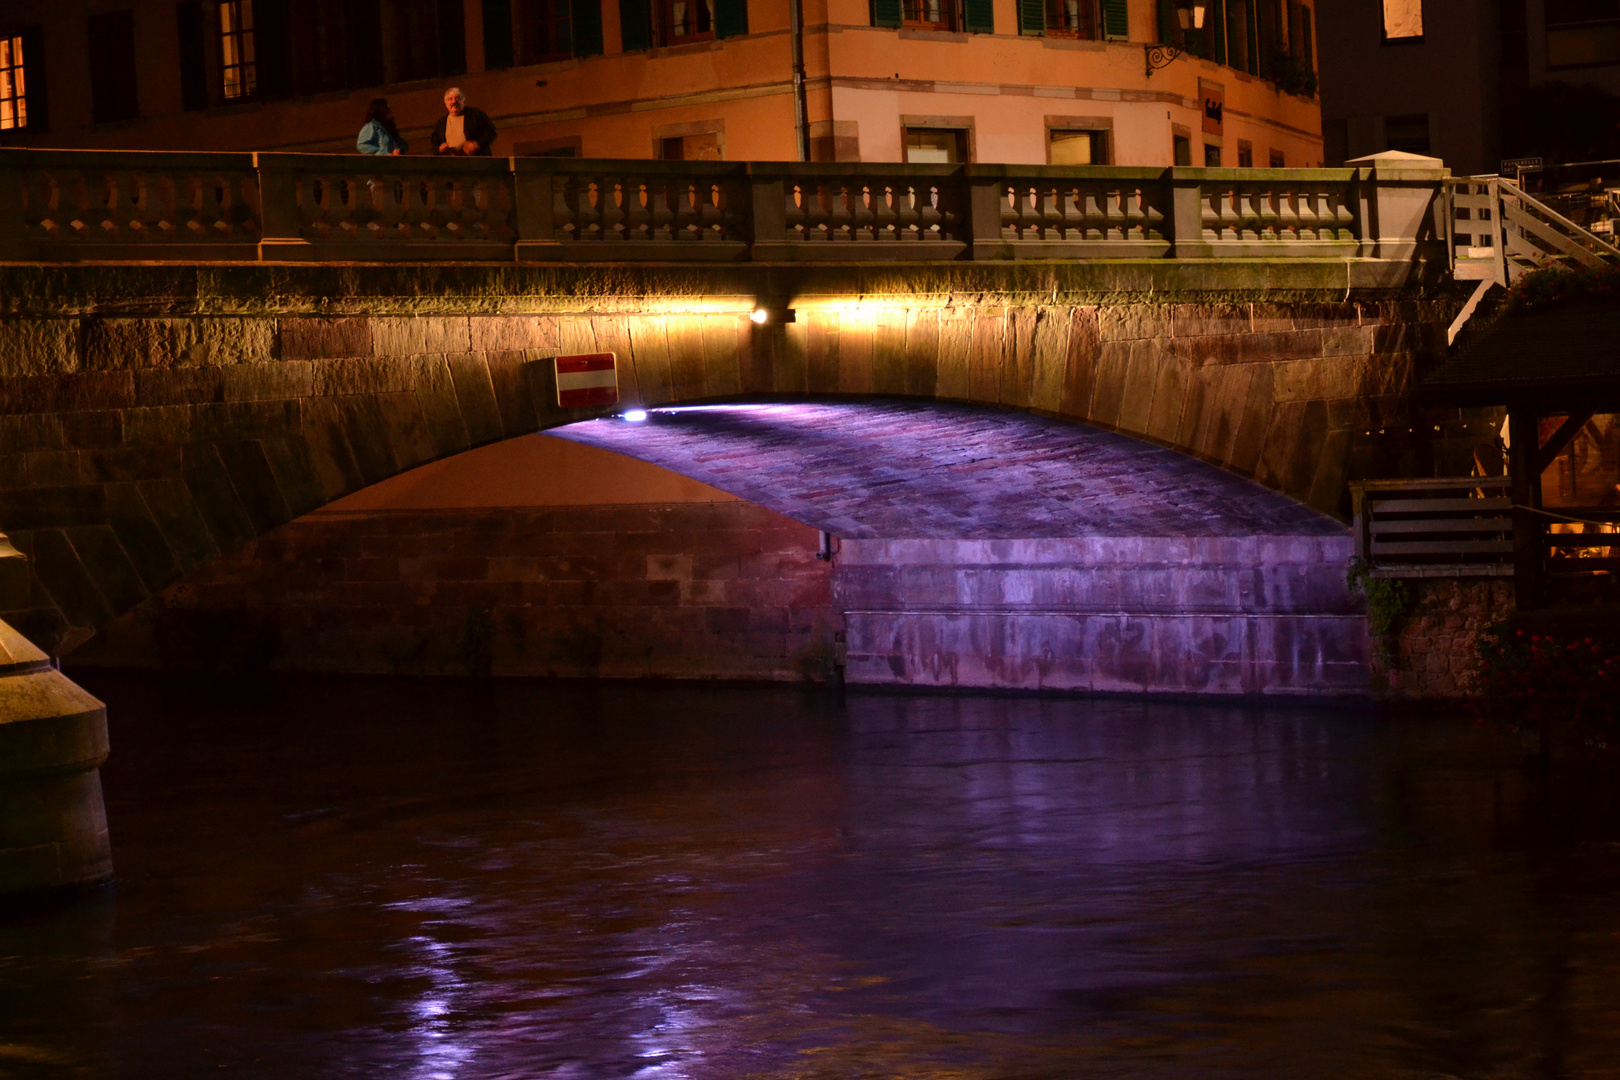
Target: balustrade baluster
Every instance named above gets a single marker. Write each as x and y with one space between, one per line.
841 196
1309 216
931 217
1269 215
1287 214
1109 217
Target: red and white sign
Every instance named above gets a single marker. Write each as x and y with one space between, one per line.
589 379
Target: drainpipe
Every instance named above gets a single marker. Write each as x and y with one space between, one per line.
801 113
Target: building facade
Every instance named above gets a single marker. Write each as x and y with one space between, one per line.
1470 81
1018 81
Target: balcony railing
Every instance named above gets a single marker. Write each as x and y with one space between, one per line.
69 205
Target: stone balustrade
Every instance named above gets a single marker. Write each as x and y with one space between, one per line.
72 205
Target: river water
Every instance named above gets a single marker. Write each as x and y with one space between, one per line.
379 878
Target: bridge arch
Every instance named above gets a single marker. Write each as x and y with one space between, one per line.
158 418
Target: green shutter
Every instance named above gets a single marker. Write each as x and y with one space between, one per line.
452 38
585 26
1253 26
980 16
1032 16
1116 20
497 34
730 18
1216 22
1168 26
886 13
635 24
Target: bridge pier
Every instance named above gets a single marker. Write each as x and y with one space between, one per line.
53 739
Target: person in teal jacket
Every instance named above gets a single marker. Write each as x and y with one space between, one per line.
380 135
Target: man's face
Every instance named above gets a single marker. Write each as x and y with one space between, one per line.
452 104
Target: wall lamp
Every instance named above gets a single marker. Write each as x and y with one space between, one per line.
1190 14
761 316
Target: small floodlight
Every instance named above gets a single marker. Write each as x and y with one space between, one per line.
636 416
760 316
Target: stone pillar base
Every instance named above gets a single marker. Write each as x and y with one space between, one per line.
53 739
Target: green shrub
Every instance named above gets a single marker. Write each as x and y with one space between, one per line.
1389 602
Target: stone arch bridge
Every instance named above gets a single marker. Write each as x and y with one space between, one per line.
153 417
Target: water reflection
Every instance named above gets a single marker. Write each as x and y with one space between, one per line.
357 878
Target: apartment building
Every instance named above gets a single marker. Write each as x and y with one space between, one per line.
1128 82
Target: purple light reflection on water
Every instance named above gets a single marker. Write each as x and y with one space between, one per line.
360 878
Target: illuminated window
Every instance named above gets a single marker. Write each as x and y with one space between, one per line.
237 66
930 14
13 87
1071 18
685 20
1075 147
1403 20
936 146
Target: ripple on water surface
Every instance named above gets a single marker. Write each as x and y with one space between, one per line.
372 878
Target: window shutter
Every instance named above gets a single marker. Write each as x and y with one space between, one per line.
365 49
1032 16
452 38
1167 21
635 24
980 16
1215 23
497 34
585 26
730 18
193 35
886 13
272 49
112 66
1116 20
35 94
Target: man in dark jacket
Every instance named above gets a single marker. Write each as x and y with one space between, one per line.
462 130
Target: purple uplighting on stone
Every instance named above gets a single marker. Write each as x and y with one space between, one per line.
892 470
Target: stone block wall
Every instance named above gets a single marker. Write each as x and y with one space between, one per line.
153 419
1191 615
1432 655
693 590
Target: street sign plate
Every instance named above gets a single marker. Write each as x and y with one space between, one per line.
586 380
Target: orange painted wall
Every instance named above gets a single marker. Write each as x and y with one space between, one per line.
1007 86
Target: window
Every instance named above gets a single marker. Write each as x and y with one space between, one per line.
936 146
1071 18
13 85
1245 154
1077 147
681 21
698 146
321 56
930 14
1582 32
1212 156
238 69
1409 133
112 67
1277 160
1181 146
1403 20
545 29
